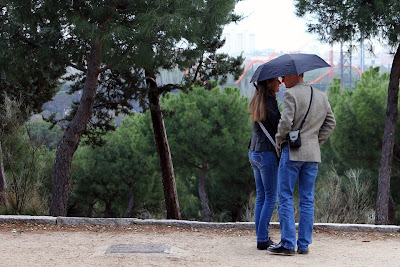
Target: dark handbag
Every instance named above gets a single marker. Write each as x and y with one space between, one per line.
294 138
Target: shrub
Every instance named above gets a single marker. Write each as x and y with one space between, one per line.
344 199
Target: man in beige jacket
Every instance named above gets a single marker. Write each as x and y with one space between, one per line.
300 163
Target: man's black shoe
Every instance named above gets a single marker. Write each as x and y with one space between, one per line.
265 245
281 250
300 251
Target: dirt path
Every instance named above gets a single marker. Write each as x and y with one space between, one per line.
49 245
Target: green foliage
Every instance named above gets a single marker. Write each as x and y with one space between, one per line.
41 134
12 114
360 116
211 127
189 202
27 167
27 72
106 174
347 20
341 21
28 170
132 37
356 142
41 39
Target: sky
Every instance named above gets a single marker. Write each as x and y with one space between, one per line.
275 25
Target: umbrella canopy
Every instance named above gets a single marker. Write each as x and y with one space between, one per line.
288 64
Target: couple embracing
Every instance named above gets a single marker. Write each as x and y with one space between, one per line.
305 109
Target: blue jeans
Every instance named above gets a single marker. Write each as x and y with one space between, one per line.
265 167
288 174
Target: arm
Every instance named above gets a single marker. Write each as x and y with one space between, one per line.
328 125
287 117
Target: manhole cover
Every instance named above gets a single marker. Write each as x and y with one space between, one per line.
139 248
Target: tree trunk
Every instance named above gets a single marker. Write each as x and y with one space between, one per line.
90 210
164 153
205 208
391 211
107 211
3 182
382 202
237 213
130 210
73 134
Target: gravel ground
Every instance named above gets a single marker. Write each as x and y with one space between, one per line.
25 244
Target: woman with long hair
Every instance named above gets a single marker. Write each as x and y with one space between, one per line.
263 158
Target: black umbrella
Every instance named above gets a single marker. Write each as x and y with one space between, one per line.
288 64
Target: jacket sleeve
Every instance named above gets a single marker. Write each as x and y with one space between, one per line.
287 117
328 125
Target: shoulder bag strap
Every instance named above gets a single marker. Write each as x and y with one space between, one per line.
267 134
301 125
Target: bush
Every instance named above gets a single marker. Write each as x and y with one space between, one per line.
344 199
28 172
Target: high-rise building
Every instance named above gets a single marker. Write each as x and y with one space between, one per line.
238 42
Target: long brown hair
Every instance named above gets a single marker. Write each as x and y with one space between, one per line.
257 106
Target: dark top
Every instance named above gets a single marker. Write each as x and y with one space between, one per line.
259 141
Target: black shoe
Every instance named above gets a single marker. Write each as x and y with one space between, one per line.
300 251
265 245
281 250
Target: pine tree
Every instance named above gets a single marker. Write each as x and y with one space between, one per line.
210 131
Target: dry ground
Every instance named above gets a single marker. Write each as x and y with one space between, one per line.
50 245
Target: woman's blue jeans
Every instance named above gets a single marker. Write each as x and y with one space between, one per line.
289 173
265 167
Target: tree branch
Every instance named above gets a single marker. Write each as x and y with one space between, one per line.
198 68
187 161
76 66
169 87
149 78
106 104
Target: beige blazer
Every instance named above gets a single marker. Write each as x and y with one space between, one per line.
319 123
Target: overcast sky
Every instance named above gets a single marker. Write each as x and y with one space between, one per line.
275 24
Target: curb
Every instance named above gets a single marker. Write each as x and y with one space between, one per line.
185 224
27 219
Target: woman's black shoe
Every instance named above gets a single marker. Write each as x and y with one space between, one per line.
265 245
281 250
300 251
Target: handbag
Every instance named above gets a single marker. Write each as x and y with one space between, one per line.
294 138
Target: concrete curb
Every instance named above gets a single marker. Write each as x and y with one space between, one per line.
185 224
27 219
134 221
357 227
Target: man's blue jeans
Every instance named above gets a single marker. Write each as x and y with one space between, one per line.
288 174
265 167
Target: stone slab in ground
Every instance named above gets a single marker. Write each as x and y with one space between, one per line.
139 248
